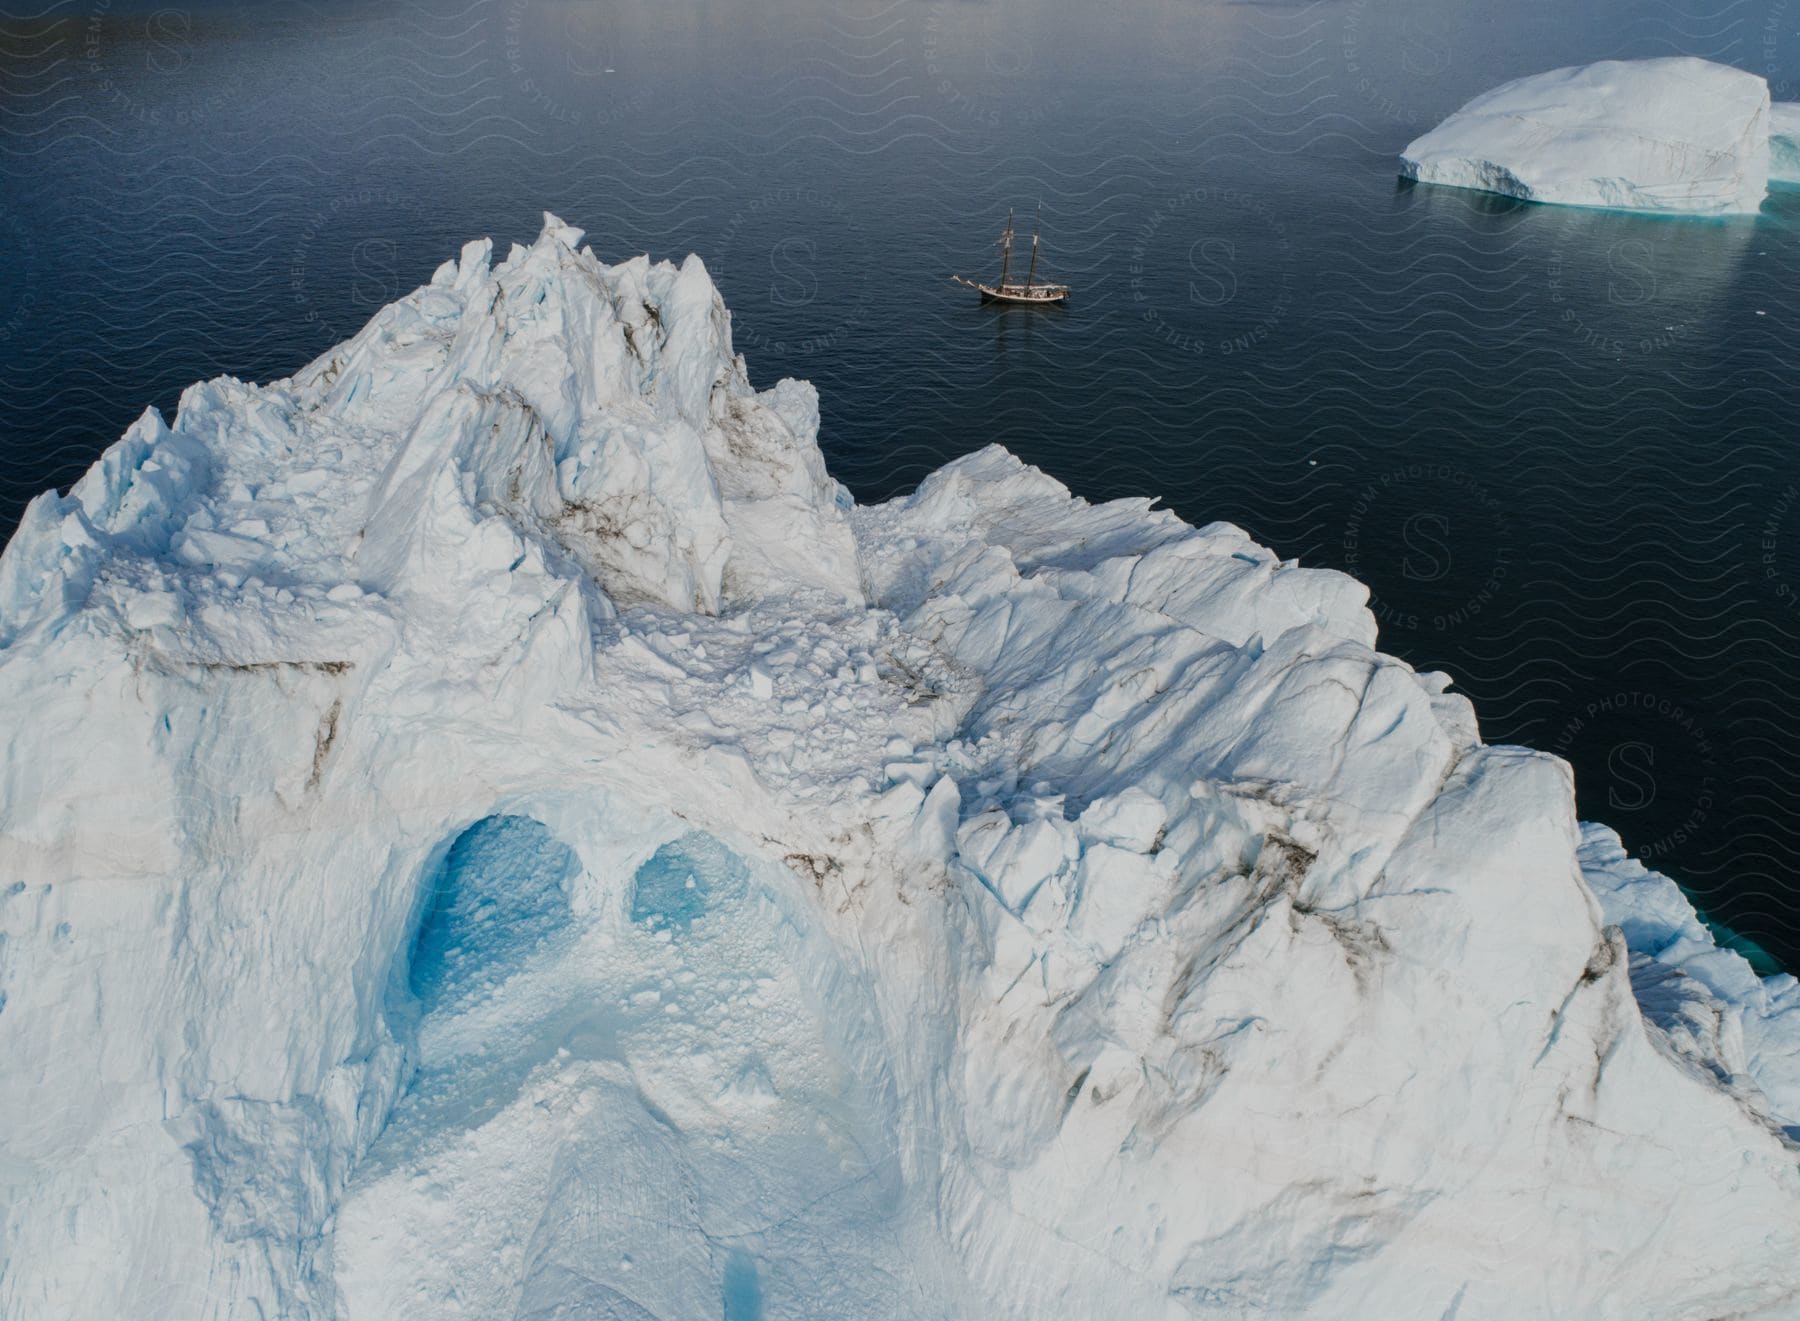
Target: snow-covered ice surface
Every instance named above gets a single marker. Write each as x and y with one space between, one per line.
491 831
1676 134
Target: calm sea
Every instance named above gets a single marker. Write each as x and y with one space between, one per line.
1558 445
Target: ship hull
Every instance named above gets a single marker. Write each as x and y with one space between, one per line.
1027 297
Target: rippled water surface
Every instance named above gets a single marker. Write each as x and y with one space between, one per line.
1559 445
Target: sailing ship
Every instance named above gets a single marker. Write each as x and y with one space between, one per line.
1006 290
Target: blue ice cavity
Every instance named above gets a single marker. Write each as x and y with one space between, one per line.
499 894
683 878
743 1287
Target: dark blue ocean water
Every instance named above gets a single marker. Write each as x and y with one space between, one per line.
1559 445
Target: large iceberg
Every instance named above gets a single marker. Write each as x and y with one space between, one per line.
490 829
1677 134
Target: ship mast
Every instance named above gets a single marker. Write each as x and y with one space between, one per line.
1006 241
1037 227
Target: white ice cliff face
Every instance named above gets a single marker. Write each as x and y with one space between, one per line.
490 831
1784 142
1677 134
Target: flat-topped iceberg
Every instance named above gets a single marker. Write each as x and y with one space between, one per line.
491 830
1677 135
